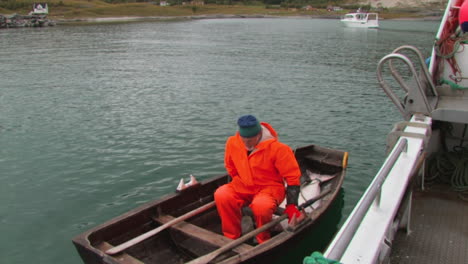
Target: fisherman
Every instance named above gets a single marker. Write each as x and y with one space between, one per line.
259 165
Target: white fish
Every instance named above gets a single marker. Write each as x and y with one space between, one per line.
313 188
309 191
319 177
192 181
183 185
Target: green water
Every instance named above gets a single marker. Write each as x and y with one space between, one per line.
98 119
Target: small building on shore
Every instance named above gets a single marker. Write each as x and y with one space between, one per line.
36 18
40 9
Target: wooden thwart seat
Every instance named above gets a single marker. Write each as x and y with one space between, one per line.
202 234
122 257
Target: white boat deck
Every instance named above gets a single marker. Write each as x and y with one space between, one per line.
439 229
452 105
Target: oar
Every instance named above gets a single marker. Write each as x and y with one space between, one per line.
209 257
153 232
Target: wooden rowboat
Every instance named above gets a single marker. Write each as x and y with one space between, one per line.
185 227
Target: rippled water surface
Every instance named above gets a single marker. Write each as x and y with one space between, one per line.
97 119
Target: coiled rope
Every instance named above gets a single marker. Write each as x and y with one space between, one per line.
450 167
446 48
452 85
448 43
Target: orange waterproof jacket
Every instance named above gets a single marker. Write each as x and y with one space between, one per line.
269 165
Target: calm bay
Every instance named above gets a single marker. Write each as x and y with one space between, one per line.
98 119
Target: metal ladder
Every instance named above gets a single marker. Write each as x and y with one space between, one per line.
421 97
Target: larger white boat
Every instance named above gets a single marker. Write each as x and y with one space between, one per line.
416 208
361 20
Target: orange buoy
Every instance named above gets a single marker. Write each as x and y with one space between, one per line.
463 16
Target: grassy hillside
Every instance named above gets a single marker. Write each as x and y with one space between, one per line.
76 9
69 9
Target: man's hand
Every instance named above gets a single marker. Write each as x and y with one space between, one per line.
292 211
292 197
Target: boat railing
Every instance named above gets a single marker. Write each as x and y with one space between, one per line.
418 99
425 72
385 205
336 250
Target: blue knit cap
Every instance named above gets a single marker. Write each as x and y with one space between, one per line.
248 126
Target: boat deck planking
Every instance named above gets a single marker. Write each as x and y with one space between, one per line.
203 234
437 217
122 257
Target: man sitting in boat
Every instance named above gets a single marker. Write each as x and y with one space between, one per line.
258 164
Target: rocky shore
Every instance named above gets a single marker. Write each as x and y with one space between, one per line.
17 21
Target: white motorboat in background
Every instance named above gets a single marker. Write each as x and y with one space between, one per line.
361 20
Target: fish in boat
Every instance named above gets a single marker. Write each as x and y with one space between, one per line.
184 227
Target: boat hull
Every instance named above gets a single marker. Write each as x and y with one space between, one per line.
201 234
357 24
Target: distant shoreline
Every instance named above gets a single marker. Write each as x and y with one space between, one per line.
100 11
54 20
215 16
